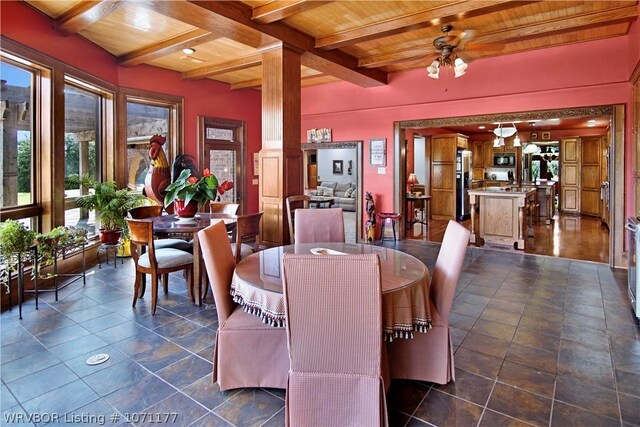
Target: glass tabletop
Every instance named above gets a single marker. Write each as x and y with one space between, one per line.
398 269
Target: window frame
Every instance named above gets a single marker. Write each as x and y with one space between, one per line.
175 134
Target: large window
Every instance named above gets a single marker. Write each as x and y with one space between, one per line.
149 114
83 145
18 102
16 155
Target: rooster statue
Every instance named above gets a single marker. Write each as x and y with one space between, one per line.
159 175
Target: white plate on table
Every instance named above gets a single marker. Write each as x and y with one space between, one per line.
325 251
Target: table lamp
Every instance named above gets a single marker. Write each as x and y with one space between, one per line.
413 179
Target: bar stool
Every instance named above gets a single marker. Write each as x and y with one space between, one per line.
383 216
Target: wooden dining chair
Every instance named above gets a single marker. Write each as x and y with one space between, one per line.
247 352
247 230
334 339
224 207
293 203
429 356
143 212
319 225
156 262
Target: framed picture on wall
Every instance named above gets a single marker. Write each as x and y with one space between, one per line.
378 152
534 136
546 135
337 167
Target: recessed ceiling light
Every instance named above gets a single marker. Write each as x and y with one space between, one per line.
481 127
591 125
591 121
188 51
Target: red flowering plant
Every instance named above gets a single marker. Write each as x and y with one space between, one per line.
190 188
224 186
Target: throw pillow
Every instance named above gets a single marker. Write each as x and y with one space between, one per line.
328 192
348 192
354 193
320 191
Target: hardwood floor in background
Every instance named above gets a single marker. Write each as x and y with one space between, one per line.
574 237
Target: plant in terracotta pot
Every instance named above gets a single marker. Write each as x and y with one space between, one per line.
188 192
110 203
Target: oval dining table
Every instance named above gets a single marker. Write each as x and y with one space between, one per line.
171 226
257 286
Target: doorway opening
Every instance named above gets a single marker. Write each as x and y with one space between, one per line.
593 218
335 168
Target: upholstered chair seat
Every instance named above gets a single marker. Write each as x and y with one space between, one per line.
166 258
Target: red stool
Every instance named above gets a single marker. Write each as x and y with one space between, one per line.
383 216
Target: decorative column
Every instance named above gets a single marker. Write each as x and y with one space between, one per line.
281 156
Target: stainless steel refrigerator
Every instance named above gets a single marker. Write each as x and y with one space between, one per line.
463 183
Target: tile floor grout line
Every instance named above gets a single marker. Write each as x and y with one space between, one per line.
273 416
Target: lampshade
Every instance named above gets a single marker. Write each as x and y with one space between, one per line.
413 179
434 70
459 68
516 141
531 149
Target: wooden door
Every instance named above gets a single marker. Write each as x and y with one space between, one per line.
312 176
570 175
443 176
591 155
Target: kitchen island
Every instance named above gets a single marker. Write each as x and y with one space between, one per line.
503 215
546 197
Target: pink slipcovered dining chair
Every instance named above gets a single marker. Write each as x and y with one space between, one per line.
429 357
247 352
334 334
319 225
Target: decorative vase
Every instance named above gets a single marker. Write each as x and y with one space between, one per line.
110 237
185 211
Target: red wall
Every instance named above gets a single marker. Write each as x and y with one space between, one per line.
562 77
27 26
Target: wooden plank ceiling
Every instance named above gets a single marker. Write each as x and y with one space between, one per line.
357 41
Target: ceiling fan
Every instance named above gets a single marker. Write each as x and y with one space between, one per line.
447 44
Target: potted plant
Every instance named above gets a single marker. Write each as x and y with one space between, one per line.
58 241
16 242
188 192
110 203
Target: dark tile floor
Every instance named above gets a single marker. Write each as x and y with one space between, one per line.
539 341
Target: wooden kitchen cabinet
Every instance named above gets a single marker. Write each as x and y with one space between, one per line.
477 158
487 154
443 174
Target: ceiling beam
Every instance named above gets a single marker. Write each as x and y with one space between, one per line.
84 14
167 47
512 35
446 12
224 67
336 63
281 9
204 19
257 83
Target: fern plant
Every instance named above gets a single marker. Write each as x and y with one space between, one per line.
110 203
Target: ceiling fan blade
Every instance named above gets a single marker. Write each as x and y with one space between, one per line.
486 47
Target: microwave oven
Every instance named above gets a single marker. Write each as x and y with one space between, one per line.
504 159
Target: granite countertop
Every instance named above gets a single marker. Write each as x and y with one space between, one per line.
513 191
